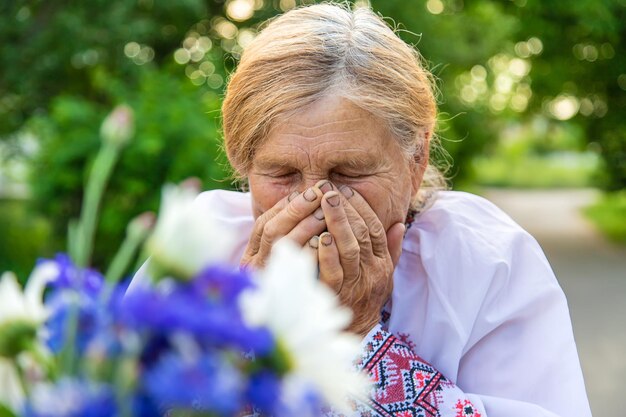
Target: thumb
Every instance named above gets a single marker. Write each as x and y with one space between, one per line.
395 236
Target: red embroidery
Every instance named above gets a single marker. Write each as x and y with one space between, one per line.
466 409
406 340
403 383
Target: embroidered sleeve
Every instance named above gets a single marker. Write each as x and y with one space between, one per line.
406 385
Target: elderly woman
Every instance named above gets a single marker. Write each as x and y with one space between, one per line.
330 117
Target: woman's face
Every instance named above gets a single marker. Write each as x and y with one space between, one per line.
334 139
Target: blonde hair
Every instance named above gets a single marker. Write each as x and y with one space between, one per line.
313 51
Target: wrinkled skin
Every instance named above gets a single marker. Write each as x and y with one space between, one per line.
333 179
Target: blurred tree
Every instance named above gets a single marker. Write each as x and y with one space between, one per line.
580 75
452 38
502 61
170 144
50 48
64 64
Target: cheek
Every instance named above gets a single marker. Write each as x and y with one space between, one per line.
390 201
265 194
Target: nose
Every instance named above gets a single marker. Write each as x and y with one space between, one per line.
323 184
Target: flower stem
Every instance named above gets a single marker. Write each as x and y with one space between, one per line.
69 343
44 360
136 232
98 178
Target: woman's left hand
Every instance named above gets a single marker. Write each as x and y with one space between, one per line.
357 257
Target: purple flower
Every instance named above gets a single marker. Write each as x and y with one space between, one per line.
71 398
204 384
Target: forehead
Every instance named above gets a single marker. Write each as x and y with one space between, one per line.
333 127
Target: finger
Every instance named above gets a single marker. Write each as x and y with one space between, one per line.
331 271
312 225
310 248
395 236
376 229
342 234
255 238
359 228
284 221
325 186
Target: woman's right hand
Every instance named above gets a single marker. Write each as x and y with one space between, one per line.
298 217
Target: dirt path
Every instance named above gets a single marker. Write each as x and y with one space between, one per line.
592 273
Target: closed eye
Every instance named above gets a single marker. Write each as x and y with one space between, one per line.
349 175
283 175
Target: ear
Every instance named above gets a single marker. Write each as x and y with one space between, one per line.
420 162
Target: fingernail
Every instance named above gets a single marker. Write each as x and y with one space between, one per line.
319 214
314 242
309 195
325 186
293 195
326 238
346 191
333 200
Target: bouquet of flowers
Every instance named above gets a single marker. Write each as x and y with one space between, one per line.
195 337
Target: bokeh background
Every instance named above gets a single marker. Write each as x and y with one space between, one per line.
532 97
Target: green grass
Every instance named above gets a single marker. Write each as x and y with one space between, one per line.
609 215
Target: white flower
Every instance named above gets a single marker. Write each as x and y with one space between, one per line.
186 237
21 314
11 391
28 305
306 318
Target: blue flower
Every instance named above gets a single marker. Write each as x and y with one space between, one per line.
263 392
221 283
76 306
204 384
86 280
206 308
95 321
71 398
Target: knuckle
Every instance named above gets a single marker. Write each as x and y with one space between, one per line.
292 212
352 253
267 240
259 225
377 231
269 231
361 233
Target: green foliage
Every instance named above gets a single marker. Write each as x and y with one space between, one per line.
25 237
452 43
49 48
65 64
541 155
172 141
583 56
552 171
609 215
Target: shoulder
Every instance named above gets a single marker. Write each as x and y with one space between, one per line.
471 252
459 221
232 204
